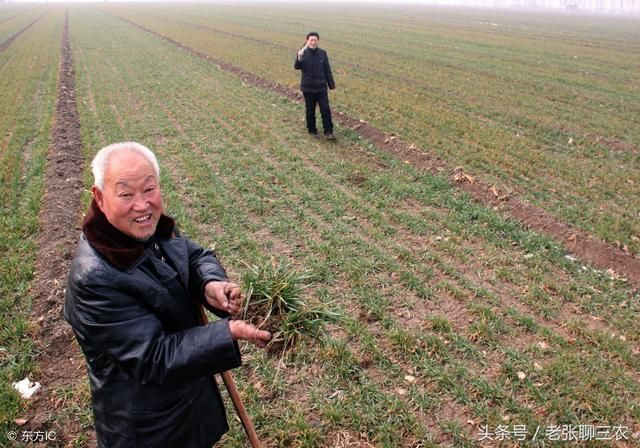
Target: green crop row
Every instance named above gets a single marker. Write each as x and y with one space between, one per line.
28 82
447 301
14 18
541 105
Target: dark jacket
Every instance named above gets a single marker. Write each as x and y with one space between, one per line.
138 321
315 70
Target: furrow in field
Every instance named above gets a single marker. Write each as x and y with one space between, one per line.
60 360
207 139
514 139
565 314
7 43
249 137
178 168
370 230
398 62
577 241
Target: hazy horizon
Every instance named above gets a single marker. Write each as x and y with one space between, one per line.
606 7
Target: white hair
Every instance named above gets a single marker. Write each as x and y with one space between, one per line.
100 161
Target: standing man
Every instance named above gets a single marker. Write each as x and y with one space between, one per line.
134 298
316 76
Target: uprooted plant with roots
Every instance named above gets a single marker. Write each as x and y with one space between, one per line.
275 301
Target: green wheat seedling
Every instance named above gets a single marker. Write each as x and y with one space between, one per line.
274 301
310 321
275 286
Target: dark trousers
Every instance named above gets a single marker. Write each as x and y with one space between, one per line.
310 101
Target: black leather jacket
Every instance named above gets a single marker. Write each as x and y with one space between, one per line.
149 358
315 70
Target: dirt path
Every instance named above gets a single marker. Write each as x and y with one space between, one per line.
600 254
60 361
7 43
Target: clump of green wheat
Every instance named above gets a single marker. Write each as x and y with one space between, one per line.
275 302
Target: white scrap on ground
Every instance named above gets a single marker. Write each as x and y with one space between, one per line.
26 388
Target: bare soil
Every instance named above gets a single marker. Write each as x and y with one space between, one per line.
60 362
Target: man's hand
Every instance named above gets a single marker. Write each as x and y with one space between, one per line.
301 52
223 296
249 332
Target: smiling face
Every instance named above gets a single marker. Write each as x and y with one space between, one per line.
312 42
131 199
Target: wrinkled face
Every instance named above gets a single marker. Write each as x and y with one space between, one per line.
312 42
131 199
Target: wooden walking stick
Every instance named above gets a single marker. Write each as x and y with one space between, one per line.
242 413
230 384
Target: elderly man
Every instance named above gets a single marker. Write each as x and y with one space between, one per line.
134 298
